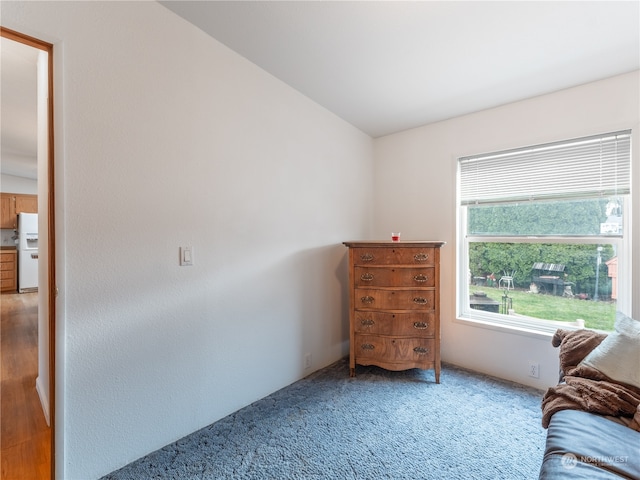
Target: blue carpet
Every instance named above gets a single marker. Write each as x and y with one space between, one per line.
380 424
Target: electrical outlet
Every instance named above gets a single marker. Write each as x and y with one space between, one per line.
307 360
534 369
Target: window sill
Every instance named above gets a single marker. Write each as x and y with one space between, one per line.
524 326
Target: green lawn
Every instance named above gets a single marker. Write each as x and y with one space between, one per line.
598 315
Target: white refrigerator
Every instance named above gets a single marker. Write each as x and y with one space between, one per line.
27 252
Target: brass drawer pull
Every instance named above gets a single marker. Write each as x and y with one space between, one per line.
420 300
420 325
367 346
368 299
366 257
421 350
421 257
421 278
366 277
367 322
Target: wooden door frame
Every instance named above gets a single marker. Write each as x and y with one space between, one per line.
51 274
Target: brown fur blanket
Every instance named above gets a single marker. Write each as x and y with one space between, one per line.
584 387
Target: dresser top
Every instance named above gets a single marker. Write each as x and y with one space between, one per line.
402 243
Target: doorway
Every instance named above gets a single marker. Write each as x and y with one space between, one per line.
24 314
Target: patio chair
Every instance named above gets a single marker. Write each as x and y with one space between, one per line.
506 281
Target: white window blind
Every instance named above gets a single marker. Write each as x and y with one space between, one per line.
581 168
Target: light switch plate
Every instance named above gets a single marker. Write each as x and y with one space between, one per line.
186 256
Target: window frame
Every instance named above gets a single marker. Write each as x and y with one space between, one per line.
529 325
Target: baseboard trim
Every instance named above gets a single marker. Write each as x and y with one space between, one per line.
44 399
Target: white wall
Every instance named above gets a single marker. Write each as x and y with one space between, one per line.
164 137
415 192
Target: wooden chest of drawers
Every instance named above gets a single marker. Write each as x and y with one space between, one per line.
8 270
394 315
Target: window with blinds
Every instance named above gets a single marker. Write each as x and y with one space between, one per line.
563 204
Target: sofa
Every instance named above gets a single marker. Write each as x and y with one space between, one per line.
592 416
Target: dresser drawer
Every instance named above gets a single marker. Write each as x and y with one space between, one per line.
394 350
396 276
394 256
388 299
398 324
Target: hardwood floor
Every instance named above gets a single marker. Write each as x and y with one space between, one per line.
25 438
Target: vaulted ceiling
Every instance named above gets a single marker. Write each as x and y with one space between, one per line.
386 66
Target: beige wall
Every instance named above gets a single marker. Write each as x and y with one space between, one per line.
415 192
165 138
